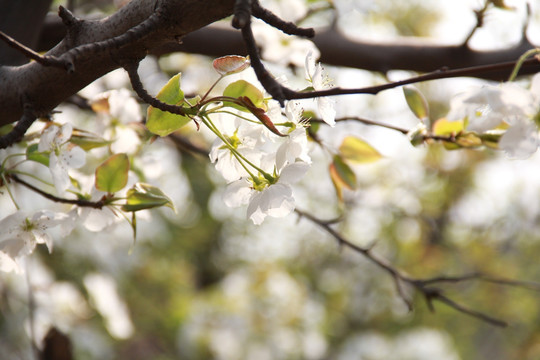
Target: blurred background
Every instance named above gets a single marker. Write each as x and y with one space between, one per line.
205 283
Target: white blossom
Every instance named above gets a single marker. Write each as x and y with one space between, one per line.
21 232
63 154
319 80
274 200
508 104
246 138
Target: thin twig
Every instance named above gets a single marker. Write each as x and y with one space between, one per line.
430 293
273 20
137 85
31 54
79 202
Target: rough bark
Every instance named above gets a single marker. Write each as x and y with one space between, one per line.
46 87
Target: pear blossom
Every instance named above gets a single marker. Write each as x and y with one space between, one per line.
246 138
319 80
488 107
63 154
119 105
122 110
266 199
21 232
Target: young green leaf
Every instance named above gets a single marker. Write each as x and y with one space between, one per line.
231 64
163 123
112 174
242 88
33 154
446 127
417 103
144 196
89 142
358 151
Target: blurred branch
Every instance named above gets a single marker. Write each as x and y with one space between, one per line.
423 286
337 50
79 202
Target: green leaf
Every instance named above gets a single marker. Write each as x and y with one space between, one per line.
242 88
342 176
33 154
231 64
417 103
112 174
163 123
491 139
358 151
144 196
446 127
86 142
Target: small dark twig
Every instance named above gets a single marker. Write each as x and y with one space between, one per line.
79 202
137 85
273 20
31 54
480 15
20 129
184 145
242 14
278 91
477 314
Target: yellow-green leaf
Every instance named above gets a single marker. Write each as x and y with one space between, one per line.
358 151
33 154
242 88
416 101
163 123
445 127
144 196
112 174
89 142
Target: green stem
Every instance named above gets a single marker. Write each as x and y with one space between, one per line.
241 159
520 62
10 193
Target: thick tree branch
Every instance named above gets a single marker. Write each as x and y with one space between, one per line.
46 87
338 50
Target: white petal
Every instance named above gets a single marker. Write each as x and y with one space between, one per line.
59 173
73 156
237 193
8 264
521 140
46 142
293 172
327 111
310 65
280 200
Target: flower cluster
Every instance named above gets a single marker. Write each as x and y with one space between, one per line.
259 165
506 108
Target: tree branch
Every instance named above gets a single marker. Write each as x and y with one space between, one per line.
423 286
46 87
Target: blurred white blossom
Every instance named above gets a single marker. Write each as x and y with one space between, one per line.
320 81
21 232
488 107
63 154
